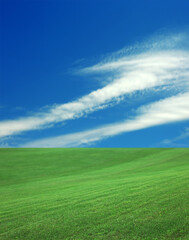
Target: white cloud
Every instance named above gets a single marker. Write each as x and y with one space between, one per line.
169 110
130 73
183 135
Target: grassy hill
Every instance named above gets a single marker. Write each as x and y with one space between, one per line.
94 194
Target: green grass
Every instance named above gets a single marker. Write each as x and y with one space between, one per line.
94 194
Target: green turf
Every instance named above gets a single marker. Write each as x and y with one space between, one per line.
94 194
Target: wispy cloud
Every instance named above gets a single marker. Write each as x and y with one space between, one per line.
183 135
165 111
161 64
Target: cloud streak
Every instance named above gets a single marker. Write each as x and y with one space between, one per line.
136 72
183 135
165 111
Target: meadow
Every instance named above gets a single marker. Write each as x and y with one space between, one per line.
93 194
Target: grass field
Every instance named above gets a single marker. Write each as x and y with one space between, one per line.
94 194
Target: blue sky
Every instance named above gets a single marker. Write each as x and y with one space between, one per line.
100 73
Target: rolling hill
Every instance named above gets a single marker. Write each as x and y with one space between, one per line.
94 194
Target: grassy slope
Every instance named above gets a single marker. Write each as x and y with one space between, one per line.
94 194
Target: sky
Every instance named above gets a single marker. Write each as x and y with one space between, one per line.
101 73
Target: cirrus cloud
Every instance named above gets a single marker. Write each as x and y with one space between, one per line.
157 64
165 111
